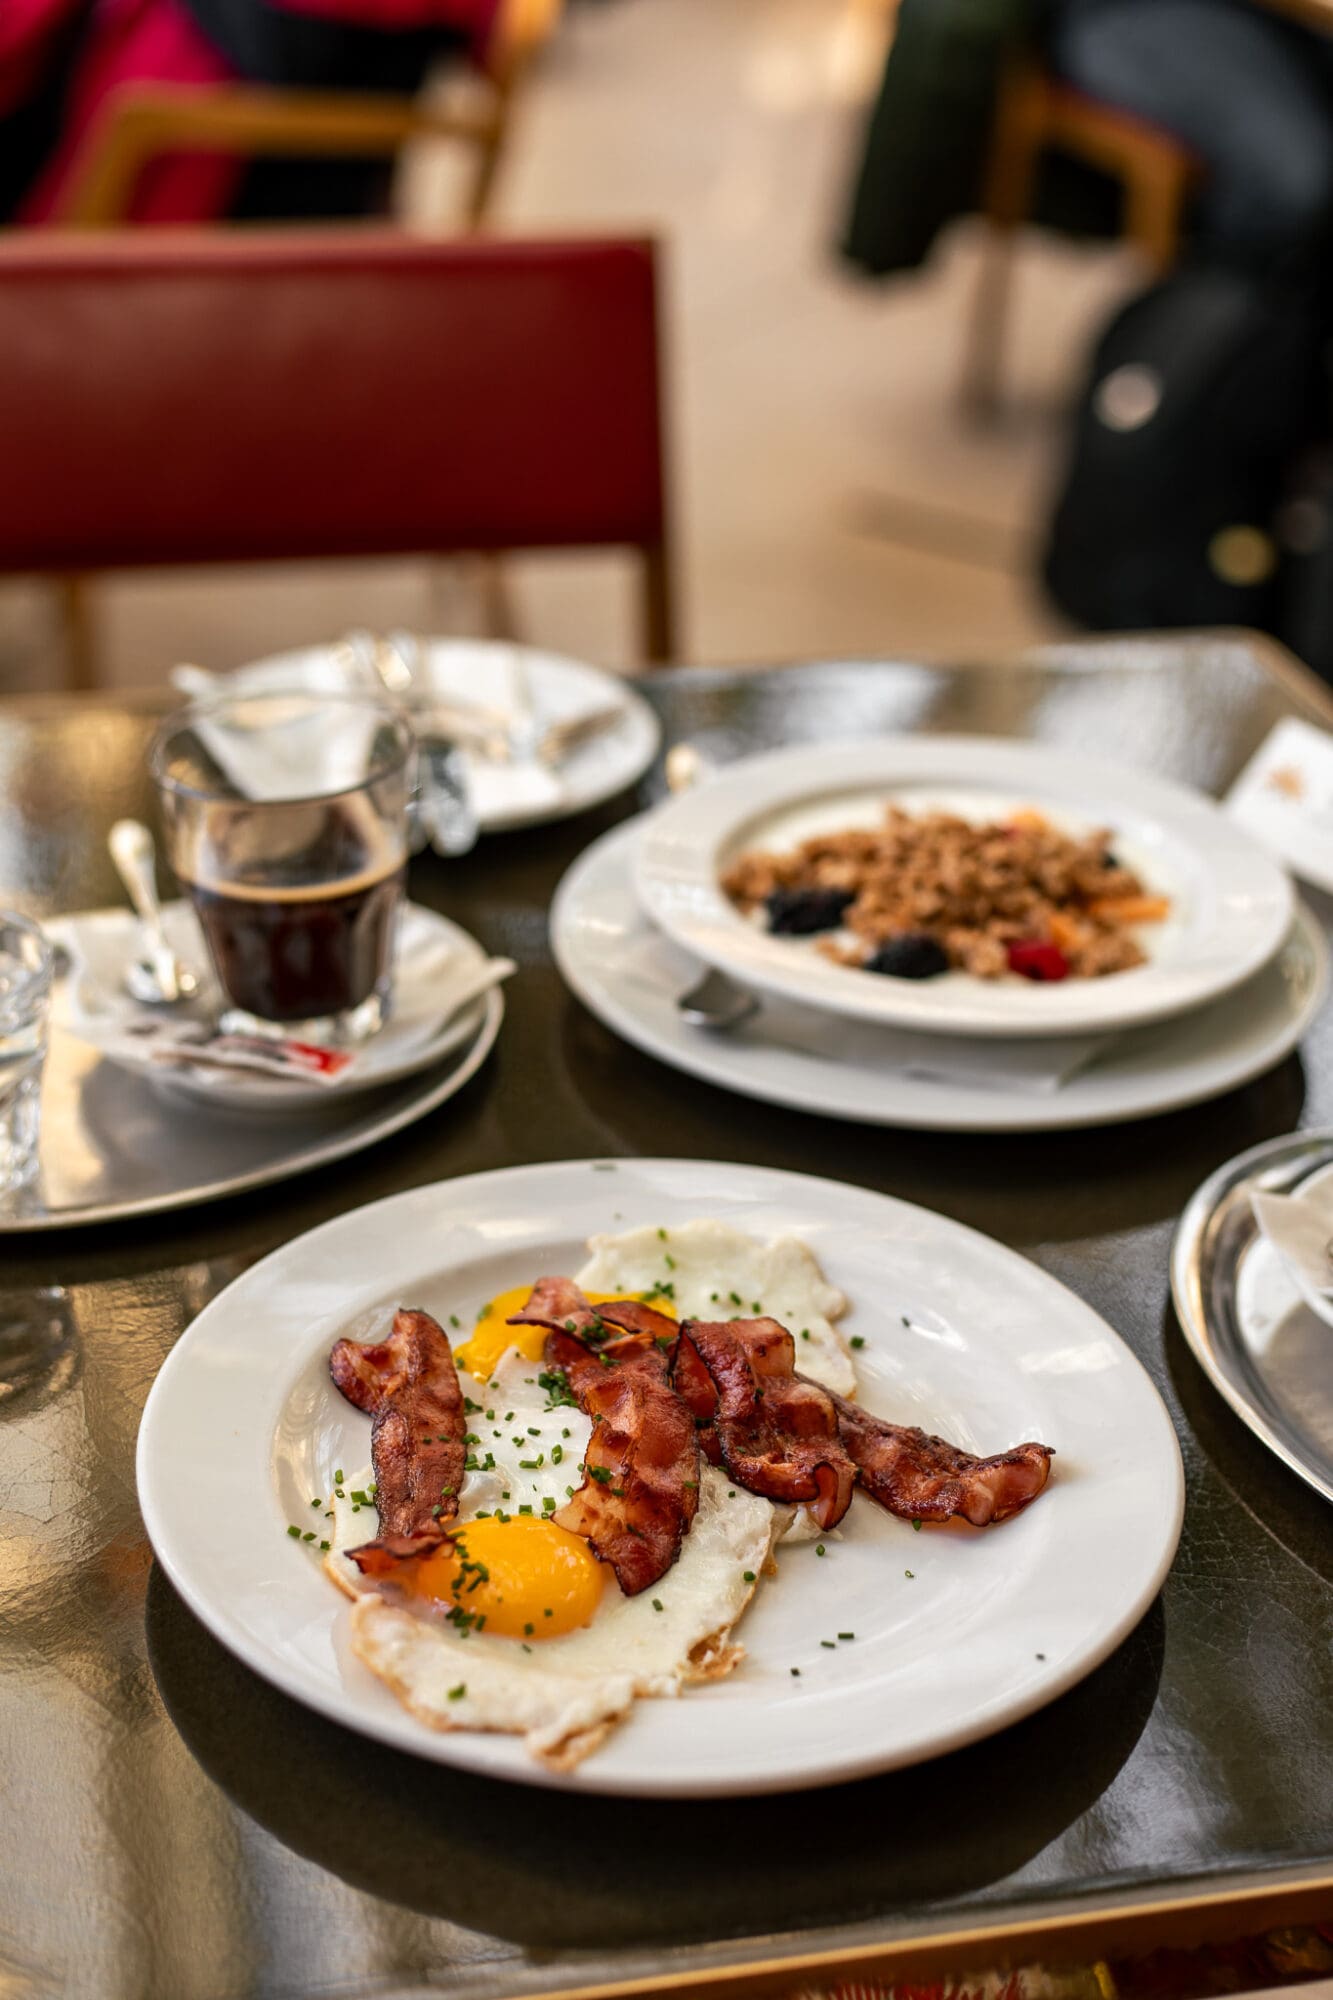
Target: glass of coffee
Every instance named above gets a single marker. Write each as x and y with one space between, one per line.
286 823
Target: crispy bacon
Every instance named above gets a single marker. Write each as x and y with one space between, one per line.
641 1473
409 1386
924 1478
776 1433
387 1554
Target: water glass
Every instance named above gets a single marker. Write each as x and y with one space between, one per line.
27 964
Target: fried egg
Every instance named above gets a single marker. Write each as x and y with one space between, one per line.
515 1625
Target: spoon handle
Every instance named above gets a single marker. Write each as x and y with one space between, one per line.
135 856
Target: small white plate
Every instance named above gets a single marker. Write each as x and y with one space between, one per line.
960 1334
431 953
629 976
1231 905
489 671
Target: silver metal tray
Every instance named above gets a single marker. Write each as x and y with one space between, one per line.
112 1148
1274 1365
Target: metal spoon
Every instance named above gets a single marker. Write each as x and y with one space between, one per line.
159 979
717 1002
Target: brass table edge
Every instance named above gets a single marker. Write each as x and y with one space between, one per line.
1105 1925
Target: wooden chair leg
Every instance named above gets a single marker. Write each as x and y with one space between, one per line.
1006 202
77 629
497 598
1155 197
658 607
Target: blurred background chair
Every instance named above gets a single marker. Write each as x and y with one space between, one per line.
150 121
1037 115
252 396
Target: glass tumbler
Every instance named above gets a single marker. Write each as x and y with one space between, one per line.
286 823
27 963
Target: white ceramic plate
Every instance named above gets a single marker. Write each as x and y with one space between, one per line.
1231 904
432 953
555 689
630 977
960 1334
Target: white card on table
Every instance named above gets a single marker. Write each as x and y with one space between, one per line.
1284 796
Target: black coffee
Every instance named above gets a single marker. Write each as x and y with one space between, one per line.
297 954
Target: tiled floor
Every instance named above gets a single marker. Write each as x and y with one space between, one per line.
830 498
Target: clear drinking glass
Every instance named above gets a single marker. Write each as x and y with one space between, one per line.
286 822
27 964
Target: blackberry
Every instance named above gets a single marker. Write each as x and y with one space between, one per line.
911 955
801 912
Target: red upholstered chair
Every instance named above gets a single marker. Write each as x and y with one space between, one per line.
243 397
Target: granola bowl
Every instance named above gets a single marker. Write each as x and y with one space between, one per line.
964 885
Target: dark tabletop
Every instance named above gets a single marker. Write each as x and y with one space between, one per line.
173 1827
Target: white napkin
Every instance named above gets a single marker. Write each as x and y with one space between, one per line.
1039 1066
1300 1229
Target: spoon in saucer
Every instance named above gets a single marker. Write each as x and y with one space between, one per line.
158 979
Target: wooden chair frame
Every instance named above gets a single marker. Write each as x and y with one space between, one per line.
251 121
1036 114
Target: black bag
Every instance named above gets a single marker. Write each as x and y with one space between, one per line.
1202 391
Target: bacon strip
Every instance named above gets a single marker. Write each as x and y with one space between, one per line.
641 1473
775 1432
409 1386
924 1478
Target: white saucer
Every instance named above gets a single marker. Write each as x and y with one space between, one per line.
431 954
602 940
1230 903
483 670
950 1634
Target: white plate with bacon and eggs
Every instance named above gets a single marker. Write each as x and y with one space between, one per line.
668 1478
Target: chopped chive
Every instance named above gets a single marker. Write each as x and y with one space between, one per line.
748 1575
917 1526
796 1673
456 1694
295 1533
908 1572
601 1474
828 1645
454 1320
819 1548
662 1235
325 1546
528 1630
856 1341
658 1604
309 1535
317 1503
846 1635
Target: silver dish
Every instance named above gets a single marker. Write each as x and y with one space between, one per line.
112 1147
1255 1338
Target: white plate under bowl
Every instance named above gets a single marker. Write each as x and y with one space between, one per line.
1231 904
961 1335
630 977
483 671
418 1034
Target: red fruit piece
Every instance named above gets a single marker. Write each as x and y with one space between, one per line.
1034 958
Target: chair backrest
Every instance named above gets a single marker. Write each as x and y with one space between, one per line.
210 397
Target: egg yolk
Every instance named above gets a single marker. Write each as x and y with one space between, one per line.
492 1336
526 1577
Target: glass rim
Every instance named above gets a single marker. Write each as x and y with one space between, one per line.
41 975
181 718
